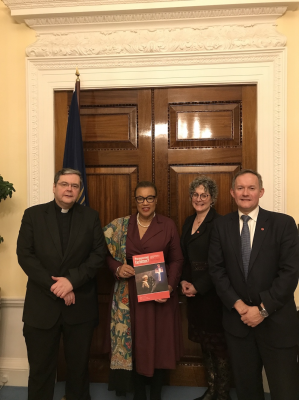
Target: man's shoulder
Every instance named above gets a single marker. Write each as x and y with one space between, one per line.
223 219
212 215
86 210
47 206
276 216
39 207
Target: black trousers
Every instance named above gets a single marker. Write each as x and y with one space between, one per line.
42 349
250 354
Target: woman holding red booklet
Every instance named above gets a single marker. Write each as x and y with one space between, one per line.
204 306
145 337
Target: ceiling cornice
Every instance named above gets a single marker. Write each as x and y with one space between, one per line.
26 10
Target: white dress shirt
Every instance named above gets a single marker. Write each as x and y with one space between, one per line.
251 223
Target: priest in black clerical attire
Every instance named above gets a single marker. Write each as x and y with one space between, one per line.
60 248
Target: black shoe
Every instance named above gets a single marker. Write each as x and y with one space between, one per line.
208 395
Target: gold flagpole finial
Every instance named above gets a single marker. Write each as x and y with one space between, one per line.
77 74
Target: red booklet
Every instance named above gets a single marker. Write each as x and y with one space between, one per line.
150 276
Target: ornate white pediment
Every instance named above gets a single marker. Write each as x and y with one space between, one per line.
144 41
108 27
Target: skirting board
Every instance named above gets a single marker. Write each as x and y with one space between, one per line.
15 370
13 355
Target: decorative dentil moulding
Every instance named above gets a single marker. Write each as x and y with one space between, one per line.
184 15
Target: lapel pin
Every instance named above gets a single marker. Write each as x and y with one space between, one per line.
197 231
262 229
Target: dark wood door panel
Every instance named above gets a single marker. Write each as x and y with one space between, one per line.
61 110
161 144
106 186
205 94
204 125
105 97
108 157
111 127
249 125
205 156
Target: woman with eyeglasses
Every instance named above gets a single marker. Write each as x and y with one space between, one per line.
203 305
145 337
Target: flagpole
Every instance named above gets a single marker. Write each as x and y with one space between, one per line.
78 87
73 149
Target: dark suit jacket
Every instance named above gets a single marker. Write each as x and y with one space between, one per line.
40 256
272 276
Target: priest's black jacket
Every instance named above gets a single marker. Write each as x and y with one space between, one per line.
40 255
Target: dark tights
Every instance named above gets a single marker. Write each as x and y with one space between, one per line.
156 383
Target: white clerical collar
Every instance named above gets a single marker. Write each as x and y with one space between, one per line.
65 210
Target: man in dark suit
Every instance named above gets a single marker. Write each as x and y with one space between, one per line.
253 261
60 248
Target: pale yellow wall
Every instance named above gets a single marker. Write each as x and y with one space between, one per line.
288 25
13 148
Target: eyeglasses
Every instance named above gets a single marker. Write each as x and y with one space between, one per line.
202 196
149 199
65 185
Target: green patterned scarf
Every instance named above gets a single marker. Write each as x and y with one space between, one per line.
120 329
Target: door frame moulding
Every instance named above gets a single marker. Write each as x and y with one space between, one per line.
267 69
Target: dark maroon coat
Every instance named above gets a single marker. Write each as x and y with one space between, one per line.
156 327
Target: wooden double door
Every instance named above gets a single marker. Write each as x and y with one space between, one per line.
165 135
